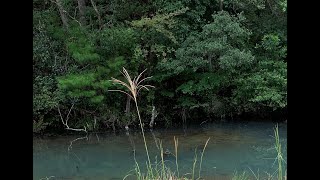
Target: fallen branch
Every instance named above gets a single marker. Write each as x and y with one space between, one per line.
65 122
97 12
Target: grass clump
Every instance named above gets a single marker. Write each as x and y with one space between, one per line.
279 173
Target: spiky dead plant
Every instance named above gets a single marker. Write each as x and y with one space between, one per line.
134 86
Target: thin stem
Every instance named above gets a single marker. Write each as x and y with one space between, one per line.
194 163
204 148
176 152
279 153
141 126
162 161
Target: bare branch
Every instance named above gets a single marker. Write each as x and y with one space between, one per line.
69 113
98 14
63 14
66 121
82 9
85 129
61 116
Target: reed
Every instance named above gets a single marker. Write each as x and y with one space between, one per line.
134 86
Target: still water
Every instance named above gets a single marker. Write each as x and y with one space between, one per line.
232 147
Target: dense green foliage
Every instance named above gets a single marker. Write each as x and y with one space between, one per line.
208 59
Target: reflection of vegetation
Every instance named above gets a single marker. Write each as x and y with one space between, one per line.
77 139
39 145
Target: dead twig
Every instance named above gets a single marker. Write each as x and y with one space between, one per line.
65 122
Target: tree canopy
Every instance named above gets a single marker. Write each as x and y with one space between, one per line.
209 59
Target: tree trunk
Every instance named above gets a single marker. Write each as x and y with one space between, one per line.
221 5
82 9
128 105
98 14
210 63
184 118
62 14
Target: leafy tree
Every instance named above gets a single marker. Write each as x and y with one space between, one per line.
266 85
208 62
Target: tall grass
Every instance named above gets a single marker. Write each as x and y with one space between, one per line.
279 153
176 152
202 152
278 173
134 86
160 171
194 162
242 176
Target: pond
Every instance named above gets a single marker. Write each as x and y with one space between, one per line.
245 146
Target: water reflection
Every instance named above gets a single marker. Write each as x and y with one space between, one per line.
232 147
